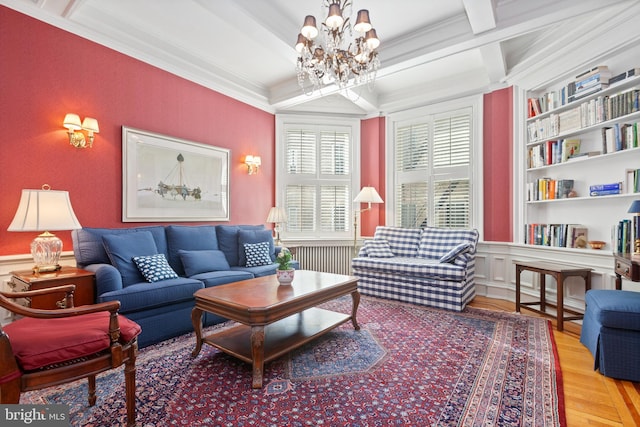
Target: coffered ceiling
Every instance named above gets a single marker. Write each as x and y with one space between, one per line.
431 49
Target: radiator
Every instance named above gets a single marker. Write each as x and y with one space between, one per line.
328 259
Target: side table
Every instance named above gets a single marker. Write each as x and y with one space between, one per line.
84 280
627 266
560 272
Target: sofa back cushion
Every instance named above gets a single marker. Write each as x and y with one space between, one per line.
88 246
228 240
123 247
189 238
437 242
403 242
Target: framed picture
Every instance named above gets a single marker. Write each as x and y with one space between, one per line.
171 179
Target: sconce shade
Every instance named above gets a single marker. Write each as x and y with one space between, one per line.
368 195
635 207
90 124
44 210
277 215
72 122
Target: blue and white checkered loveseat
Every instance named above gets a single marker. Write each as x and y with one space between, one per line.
429 266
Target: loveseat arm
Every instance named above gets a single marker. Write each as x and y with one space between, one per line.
108 278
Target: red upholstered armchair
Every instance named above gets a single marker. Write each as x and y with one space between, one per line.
49 347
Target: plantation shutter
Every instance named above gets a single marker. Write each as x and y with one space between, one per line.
432 170
318 196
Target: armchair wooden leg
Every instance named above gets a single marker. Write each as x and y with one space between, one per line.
92 389
130 385
10 391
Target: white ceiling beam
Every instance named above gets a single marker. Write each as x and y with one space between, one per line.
481 14
494 62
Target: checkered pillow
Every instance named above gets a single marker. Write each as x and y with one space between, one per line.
453 253
257 254
378 248
154 267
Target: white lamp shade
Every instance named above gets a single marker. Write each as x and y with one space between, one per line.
368 195
72 122
277 215
90 124
44 210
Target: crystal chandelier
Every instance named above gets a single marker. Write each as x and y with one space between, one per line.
332 62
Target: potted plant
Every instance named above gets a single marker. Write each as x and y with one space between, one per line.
284 272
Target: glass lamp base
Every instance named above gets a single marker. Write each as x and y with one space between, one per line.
46 250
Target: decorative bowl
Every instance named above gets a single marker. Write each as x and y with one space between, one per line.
597 244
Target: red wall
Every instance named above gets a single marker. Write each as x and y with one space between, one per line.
372 157
498 166
47 72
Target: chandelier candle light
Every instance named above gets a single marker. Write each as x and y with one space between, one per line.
332 62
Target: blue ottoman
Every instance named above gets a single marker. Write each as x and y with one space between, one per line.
611 332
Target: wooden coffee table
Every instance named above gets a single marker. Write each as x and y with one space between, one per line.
272 319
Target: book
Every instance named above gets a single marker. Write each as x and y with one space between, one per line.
570 148
596 193
592 71
584 156
579 237
600 187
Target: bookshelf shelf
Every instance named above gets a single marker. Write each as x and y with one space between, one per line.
557 197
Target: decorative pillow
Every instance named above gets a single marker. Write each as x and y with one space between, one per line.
196 262
154 267
378 248
254 236
257 254
453 253
121 249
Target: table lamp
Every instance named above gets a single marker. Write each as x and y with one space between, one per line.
277 216
45 210
366 195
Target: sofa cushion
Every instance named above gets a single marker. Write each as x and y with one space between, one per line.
189 238
378 248
228 240
141 296
215 278
154 267
436 242
121 249
453 254
196 262
41 342
412 266
403 242
257 254
88 247
254 236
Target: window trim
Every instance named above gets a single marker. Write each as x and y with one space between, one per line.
284 120
475 102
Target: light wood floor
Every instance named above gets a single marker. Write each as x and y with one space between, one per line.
591 399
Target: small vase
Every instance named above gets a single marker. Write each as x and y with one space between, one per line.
285 277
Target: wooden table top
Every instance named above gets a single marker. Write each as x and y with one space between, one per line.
264 300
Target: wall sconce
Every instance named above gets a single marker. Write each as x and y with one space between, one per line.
77 139
253 164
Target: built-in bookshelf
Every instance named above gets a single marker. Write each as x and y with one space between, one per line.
582 158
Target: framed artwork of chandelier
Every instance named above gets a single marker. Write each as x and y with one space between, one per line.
333 62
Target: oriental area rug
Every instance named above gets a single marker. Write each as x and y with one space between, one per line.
407 366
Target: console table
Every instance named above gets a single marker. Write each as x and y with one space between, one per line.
559 272
626 266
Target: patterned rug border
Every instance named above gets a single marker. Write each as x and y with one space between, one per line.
161 398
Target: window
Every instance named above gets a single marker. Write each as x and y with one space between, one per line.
316 180
433 164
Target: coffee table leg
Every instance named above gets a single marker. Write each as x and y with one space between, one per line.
355 296
257 354
196 319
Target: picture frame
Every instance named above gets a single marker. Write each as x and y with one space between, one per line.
171 179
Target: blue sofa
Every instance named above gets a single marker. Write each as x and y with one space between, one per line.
161 300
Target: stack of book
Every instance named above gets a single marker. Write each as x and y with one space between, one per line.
549 189
605 189
556 235
633 180
589 82
623 233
